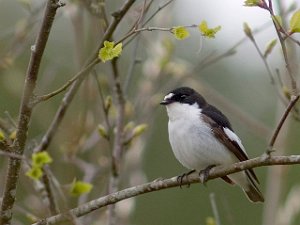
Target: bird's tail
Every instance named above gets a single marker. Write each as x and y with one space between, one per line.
249 184
254 194
252 191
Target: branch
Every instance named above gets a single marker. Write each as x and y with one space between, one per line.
118 146
25 111
157 11
293 101
9 154
263 58
279 29
80 74
148 20
47 138
158 185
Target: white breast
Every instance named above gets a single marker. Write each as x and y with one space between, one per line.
192 140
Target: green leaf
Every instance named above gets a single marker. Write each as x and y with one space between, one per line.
180 33
39 159
35 173
79 187
206 31
110 51
295 22
270 47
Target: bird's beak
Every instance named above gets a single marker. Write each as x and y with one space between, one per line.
165 102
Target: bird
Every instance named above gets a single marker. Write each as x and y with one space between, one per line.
202 137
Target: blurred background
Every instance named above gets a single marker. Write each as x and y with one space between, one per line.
226 70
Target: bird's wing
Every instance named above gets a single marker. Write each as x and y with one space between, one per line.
216 115
231 141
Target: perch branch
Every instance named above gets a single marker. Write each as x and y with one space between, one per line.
160 184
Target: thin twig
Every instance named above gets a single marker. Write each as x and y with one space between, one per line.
80 74
118 146
68 97
157 11
148 20
160 184
135 48
103 106
278 29
53 180
53 207
263 59
10 154
292 102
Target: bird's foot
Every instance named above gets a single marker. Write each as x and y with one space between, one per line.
204 174
181 177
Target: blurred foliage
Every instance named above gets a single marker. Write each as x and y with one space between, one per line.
150 66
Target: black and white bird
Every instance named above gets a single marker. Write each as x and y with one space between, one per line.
202 137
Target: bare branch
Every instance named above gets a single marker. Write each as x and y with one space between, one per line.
47 138
280 29
293 101
118 146
26 110
81 73
9 154
158 185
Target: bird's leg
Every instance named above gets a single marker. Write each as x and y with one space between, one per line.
203 175
180 178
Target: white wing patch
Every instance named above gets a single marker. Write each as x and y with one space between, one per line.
232 136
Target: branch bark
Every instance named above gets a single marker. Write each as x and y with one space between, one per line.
161 184
37 51
118 146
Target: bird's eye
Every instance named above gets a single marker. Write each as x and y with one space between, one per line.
183 96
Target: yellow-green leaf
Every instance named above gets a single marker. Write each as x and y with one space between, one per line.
286 92
35 173
210 221
39 159
248 31
13 135
2 135
128 126
102 131
108 102
110 51
270 47
278 21
79 187
295 22
251 2
138 130
180 33
206 31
